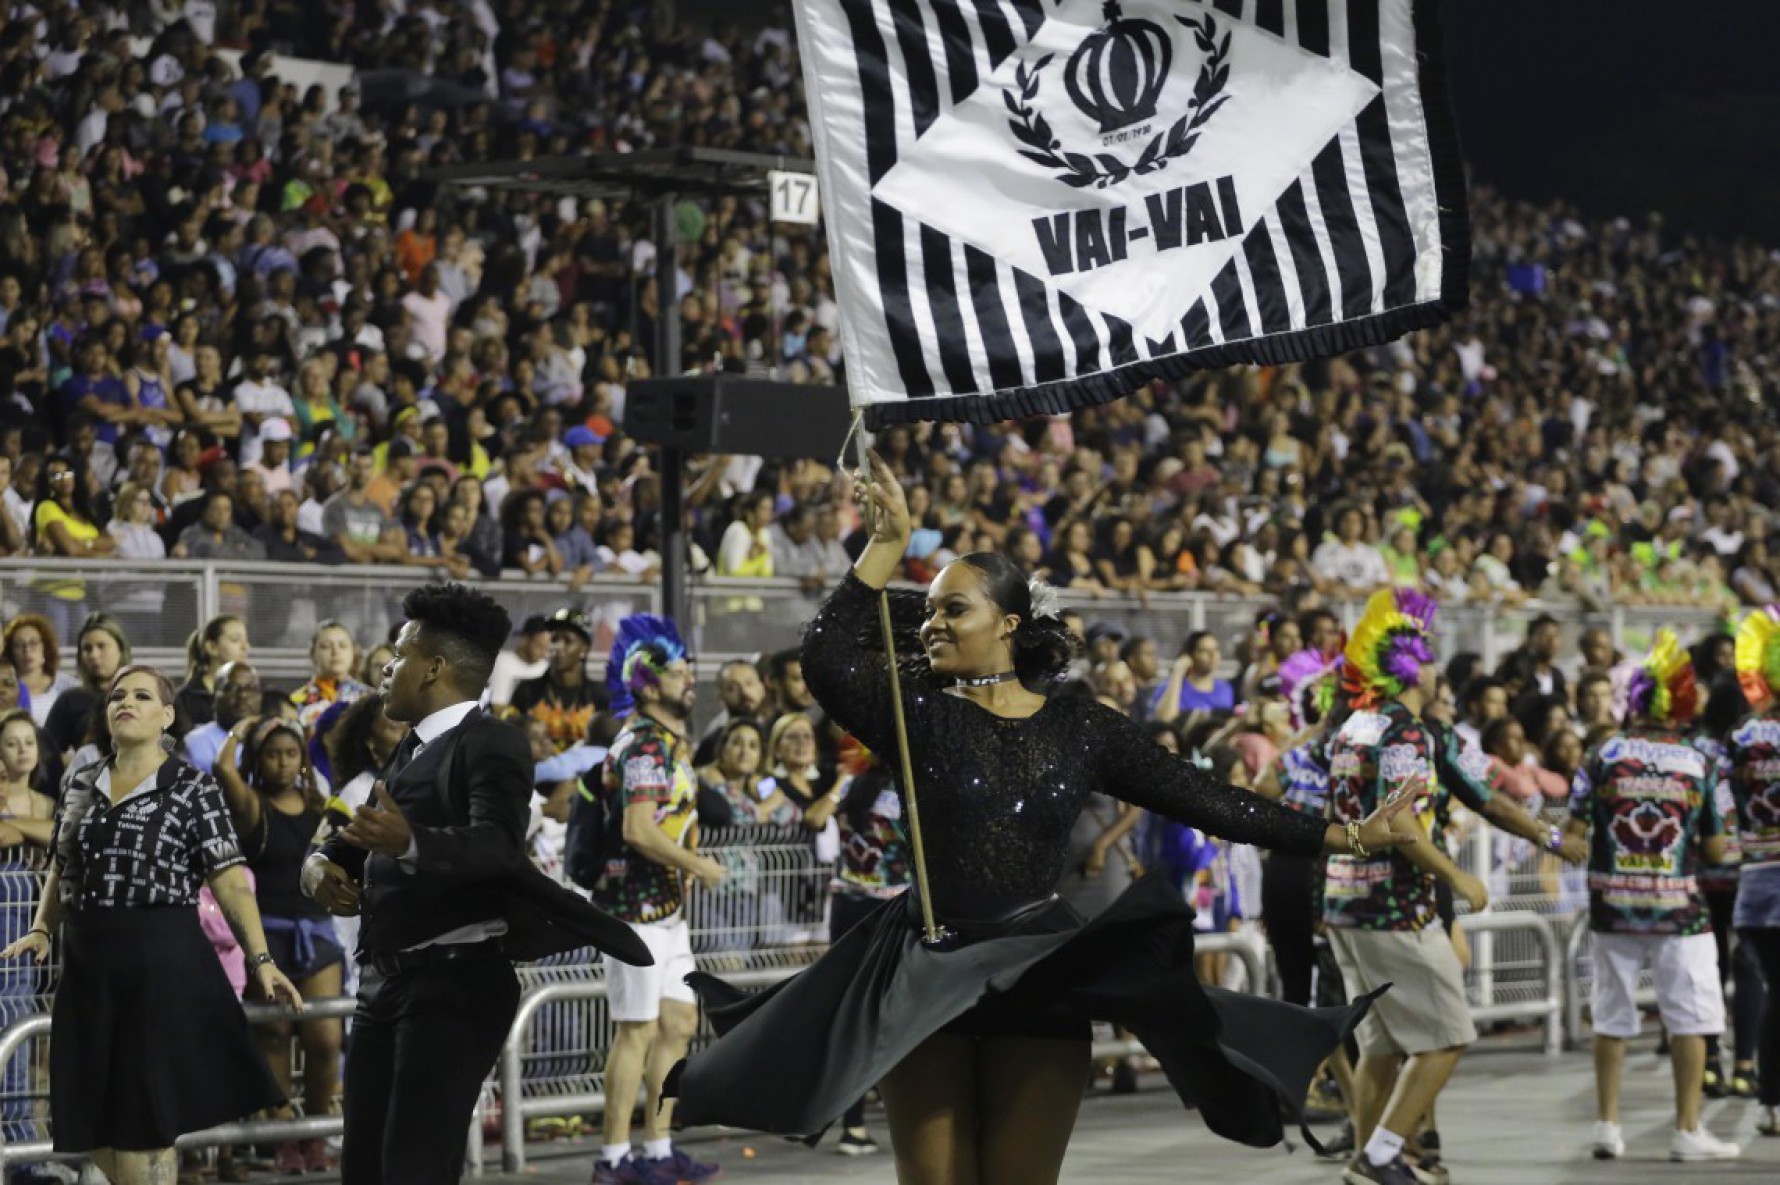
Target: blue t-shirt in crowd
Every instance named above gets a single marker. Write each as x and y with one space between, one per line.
1221 697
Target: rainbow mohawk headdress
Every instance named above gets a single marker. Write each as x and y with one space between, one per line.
645 645
1307 680
1758 655
1389 646
1663 686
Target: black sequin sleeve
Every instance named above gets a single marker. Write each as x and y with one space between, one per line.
844 664
1134 768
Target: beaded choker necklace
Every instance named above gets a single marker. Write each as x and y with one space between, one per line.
989 680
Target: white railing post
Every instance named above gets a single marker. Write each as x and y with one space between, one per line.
1483 951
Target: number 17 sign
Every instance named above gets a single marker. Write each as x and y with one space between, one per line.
793 197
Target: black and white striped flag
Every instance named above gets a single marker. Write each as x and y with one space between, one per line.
1038 205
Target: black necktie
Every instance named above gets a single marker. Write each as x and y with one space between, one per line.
404 754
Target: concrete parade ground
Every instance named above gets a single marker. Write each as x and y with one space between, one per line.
1512 1116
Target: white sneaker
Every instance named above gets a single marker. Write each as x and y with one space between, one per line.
1609 1144
1701 1144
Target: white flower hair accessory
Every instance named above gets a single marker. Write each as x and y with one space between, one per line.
1045 601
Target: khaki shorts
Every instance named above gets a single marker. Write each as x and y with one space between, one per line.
1425 1009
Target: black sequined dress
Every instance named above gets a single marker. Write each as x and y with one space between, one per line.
998 798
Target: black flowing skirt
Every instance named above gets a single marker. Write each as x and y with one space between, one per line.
790 1059
147 1039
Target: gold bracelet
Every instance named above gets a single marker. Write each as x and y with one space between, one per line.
1353 840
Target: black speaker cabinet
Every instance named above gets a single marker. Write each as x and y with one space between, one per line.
734 414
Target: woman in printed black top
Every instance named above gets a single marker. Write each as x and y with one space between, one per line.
148 1041
277 806
981 1042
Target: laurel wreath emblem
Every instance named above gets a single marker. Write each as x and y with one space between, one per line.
1101 169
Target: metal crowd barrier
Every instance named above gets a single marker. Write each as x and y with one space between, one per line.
518 1106
249 1131
1549 1005
521 1101
766 925
163 602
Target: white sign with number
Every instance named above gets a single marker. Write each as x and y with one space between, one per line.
793 197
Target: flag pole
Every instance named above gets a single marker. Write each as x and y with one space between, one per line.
932 934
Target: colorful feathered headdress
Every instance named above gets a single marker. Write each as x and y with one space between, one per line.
645 645
1662 688
1389 646
1308 680
1758 656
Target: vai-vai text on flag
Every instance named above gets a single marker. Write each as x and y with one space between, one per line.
1037 205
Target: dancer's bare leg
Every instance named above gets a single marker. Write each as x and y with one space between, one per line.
930 1099
1028 1092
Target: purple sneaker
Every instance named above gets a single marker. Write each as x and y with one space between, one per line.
683 1170
634 1170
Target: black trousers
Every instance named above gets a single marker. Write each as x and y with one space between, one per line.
1288 887
1764 945
1737 964
423 1043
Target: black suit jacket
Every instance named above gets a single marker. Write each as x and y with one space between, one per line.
466 796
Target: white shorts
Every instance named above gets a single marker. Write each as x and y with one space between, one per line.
1689 997
635 993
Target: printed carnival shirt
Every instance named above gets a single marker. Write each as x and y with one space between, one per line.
1752 752
1304 778
1462 771
1374 756
875 859
647 763
1723 876
1649 799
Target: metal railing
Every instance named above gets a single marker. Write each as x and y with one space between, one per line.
744 616
1549 1005
520 1104
248 1131
770 922
281 604
164 602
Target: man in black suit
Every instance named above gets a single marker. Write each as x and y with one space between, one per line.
435 865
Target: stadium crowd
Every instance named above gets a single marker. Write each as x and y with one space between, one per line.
237 321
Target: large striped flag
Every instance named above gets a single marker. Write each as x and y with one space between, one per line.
1038 205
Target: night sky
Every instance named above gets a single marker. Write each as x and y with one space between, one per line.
1624 107
1621 106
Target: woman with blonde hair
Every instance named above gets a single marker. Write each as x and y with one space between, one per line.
139 603
793 762
332 655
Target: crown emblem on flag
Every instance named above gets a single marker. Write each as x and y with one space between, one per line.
1115 76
